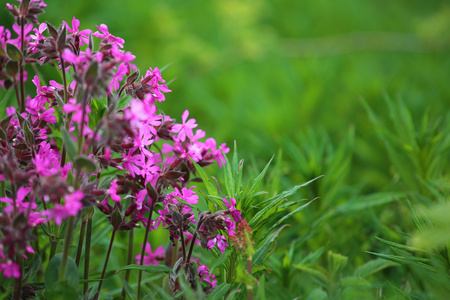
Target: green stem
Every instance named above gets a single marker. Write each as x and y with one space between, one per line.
80 242
147 229
129 259
106 262
53 245
67 241
87 254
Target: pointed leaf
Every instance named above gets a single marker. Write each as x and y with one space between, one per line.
262 252
206 180
69 144
13 52
146 268
128 289
219 291
220 260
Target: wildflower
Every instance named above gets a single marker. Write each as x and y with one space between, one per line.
10 269
184 129
82 35
220 241
236 214
132 162
152 257
105 35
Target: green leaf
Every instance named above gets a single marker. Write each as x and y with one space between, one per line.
220 260
69 144
260 291
12 68
312 256
13 52
91 73
255 186
262 252
206 180
32 267
400 246
84 163
29 136
219 291
317 272
337 262
352 281
128 289
61 290
298 209
147 268
402 260
229 178
53 270
274 201
372 267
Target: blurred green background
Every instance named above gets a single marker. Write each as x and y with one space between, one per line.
258 71
309 81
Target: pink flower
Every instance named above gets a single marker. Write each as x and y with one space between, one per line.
221 242
217 154
77 110
112 191
236 214
184 129
152 257
20 204
10 269
202 270
211 278
187 194
117 77
73 203
46 116
107 36
131 162
83 34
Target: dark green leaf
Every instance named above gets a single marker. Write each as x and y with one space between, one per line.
69 144
84 163
32 267
53 270
13 52
61 290
219 291
12 68
220 260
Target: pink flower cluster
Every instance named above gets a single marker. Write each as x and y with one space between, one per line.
56 144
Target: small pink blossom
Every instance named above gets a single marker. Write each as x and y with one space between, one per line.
10 269
83 34
185 129
107 36
112 191
131 162
221 242
152 257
